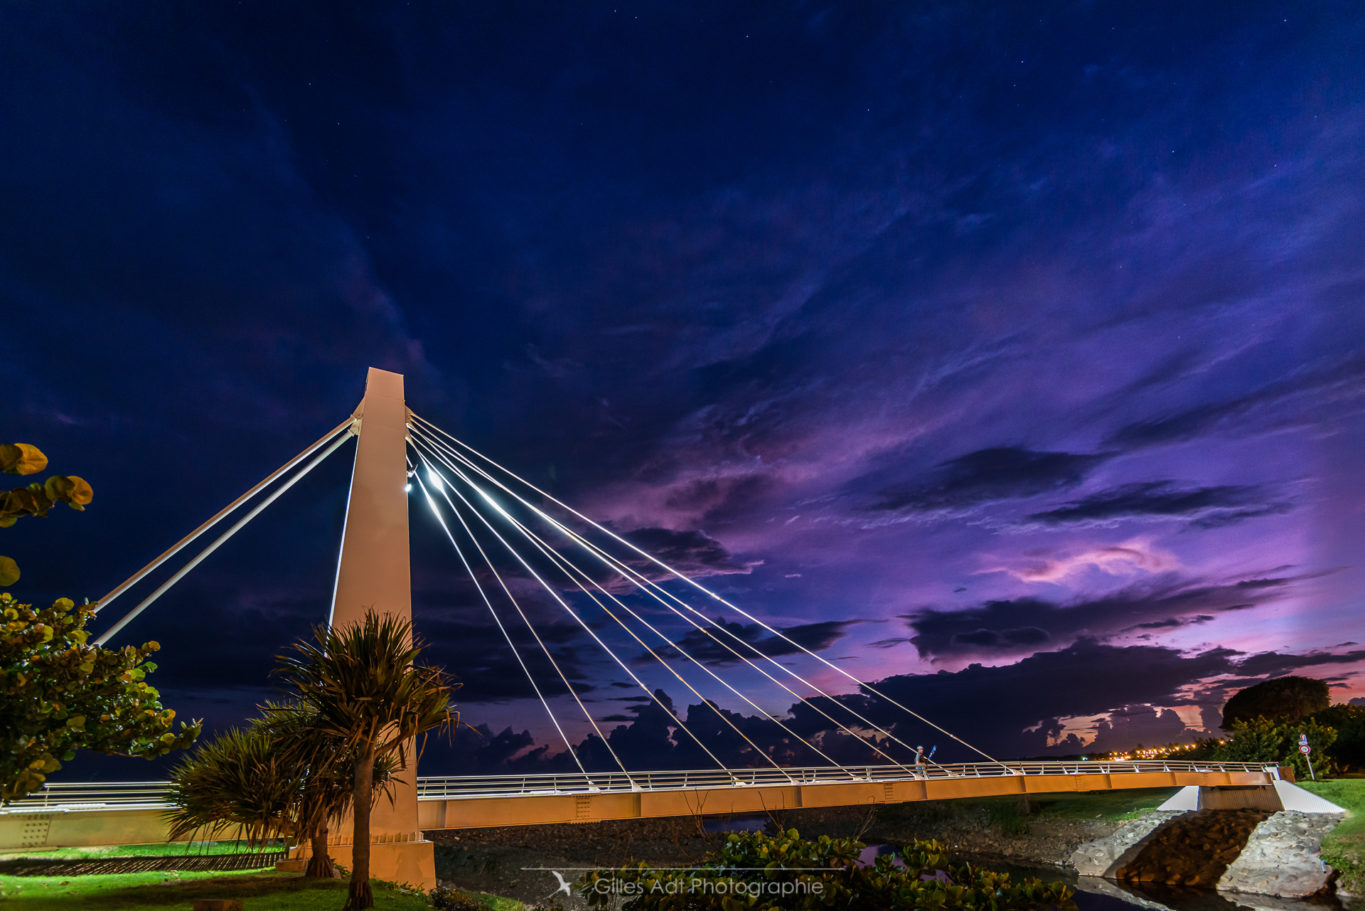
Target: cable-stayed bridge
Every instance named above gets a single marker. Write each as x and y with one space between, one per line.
638 612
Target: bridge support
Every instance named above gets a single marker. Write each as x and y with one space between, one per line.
374 572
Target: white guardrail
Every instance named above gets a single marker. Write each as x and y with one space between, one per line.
69 796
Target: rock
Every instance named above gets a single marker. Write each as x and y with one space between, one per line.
1281 857
1098 858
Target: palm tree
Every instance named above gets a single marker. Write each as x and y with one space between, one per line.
364 692
278 776
236 780
327 781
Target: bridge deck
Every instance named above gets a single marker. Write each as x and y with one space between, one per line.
470 803
73 815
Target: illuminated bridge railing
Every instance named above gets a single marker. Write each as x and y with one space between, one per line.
74 796
94 795
471 786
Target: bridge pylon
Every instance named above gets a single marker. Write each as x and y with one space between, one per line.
374 572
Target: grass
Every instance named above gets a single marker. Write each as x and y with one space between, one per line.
174 849
165 891
1114 806
495 902
1344 846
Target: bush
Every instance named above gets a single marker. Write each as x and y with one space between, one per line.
1263 740
762 872
444 898
1349 721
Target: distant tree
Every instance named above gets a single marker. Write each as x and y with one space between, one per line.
366 692
1285 699
1349 722
58 692
1263 740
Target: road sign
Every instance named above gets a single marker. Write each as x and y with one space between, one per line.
1303 739
1305 749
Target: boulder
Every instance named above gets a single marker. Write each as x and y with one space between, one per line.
1104 857
1282 857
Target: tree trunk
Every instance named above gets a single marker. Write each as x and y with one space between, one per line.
360 896
320 864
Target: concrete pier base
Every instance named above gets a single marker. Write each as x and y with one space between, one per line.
408 862
1275 796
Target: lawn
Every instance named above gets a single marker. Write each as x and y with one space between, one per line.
263 891
1111 805
173 849
1344 846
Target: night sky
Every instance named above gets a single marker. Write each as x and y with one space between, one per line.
1012 355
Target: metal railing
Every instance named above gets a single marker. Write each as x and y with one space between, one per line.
471 786
149 795
94 795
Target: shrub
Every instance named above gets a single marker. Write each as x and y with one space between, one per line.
444 898
1349 721
1263 740
758 871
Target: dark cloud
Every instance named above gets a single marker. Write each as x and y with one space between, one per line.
1031 696
1269 407
477 654
999 473
1024 635
1029 701
1125 727
815 637
1177 622
1206 507
1018 625
691 552
1268 665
